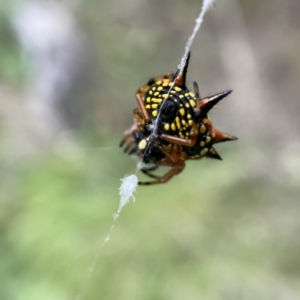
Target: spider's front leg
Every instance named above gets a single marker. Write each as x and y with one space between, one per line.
176 168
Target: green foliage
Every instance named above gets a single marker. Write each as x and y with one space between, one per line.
205 234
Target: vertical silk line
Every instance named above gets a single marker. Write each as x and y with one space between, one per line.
205 6
130 183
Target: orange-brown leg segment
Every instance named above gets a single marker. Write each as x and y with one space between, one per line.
179 141
177 167
141 105
138 117
138 122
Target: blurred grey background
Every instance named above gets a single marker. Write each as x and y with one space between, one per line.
220 230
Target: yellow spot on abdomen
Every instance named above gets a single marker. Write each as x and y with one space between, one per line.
182 111
156 100
154 105
142 144
190 122
156 93
177 120
203 151
154 113
177 88
148 106
202 129
208 139
173 126
192 103
148 99
202 143
160 88
167 126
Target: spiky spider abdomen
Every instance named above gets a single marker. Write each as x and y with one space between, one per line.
172 126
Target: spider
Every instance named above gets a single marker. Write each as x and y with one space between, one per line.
171 125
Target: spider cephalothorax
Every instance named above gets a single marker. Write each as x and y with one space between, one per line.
171 125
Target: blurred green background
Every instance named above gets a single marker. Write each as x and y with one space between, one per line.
220 230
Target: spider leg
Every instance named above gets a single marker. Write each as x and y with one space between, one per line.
134 127
138 117
126 136
147 172
153 168
141 104
129 146
133 151
139 121
179 141
177 167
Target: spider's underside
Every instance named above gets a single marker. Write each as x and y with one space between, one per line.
183 129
